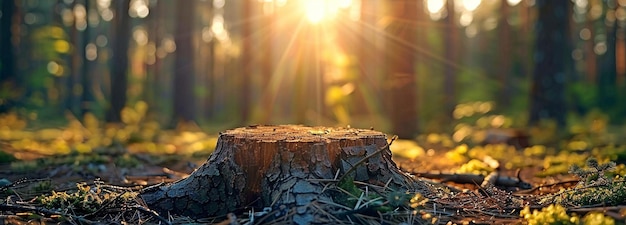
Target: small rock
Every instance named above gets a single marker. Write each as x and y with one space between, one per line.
4 182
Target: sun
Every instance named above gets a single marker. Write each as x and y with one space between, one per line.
315 10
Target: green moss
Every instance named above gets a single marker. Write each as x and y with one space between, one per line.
6 157
127 161
85 199
596 186
557 215
81 201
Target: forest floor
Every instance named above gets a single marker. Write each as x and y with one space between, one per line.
45 181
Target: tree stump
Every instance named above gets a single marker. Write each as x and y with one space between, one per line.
279 166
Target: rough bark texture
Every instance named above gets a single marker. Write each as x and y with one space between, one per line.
279 166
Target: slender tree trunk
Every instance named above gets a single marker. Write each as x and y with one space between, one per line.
119 62
184 99
525 38
591 62
150 84
7 58
211 80
607 76
158 18
73 79
504 55
86 99
281 166
400 65
551 50
451 36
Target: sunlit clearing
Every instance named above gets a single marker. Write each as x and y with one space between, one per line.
315 10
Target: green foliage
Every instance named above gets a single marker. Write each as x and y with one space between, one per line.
24 166
352 192
135 134
127 161
6 157
82 201
43 186
594 174
557 215
390 201
561 162
85 200
595 186
582 95
597 218
553 214
398 199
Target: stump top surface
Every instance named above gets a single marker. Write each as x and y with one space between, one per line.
300 133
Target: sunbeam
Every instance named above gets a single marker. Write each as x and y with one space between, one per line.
278 75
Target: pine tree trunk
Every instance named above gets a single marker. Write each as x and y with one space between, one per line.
270 166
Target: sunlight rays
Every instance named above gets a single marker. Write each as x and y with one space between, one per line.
278 74
412 46
303 57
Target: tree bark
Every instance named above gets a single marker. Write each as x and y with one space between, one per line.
279 166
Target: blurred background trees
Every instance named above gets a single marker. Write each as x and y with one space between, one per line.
404 67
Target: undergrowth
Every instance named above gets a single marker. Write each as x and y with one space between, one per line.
596 187
556 214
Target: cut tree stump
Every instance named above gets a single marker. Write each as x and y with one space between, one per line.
270 166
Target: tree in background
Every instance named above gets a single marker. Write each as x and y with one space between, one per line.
119 62
7 62
551 52
606 61
184 100
452 45
400 70
86 98
504 55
